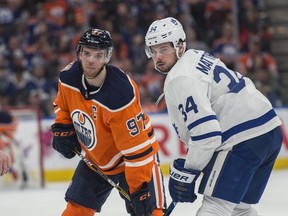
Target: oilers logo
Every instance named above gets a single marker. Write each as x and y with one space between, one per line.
84 128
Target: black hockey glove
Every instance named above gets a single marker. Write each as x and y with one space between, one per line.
141 202
182 182
65 139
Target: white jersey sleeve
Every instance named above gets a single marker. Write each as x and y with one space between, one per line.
212 107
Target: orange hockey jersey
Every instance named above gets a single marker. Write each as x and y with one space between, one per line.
8 124
109 121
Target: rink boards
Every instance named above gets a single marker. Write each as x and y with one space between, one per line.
56 168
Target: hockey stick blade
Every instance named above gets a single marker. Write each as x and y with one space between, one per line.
121 190
170 208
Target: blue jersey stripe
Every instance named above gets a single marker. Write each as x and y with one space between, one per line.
200 121
248 125
205 136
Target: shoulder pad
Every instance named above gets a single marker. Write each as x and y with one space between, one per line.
67 67
117 91
5 118
71 74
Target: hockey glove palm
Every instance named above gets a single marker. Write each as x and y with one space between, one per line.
65 139
182 182
141 202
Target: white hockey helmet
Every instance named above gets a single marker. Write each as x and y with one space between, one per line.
165 30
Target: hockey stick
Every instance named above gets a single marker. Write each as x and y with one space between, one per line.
121 190
170 208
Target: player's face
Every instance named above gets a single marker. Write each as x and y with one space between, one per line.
92 61
164 56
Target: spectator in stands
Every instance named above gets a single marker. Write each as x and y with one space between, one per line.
6 86
209 17
14 54
193 41
247 22
21 81
40 91
56 10
65 49
255 58
268 86
137 54
261 67
225 47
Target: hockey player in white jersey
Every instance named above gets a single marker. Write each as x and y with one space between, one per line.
231 131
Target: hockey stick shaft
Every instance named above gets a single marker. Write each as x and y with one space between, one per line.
96 169
170 208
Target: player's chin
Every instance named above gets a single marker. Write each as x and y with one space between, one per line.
89 75
163 69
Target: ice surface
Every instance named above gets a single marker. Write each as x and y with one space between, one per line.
49 201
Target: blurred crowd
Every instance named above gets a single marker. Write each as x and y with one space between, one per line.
39 38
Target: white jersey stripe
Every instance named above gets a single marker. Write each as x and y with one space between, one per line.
139 163
215 172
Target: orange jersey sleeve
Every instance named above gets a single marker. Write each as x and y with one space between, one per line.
134 137
110 124
8 124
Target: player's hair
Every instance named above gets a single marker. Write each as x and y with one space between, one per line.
96 39
165 30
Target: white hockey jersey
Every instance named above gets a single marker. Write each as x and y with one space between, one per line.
213 108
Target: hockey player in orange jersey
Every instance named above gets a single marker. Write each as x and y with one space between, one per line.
98 110
5 163
8 125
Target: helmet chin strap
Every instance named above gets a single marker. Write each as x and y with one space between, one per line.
159 70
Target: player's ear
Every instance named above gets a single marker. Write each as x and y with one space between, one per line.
181 48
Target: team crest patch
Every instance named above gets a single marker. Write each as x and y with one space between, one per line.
67 67
85 128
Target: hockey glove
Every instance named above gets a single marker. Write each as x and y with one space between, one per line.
65 139
141 202
182 182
